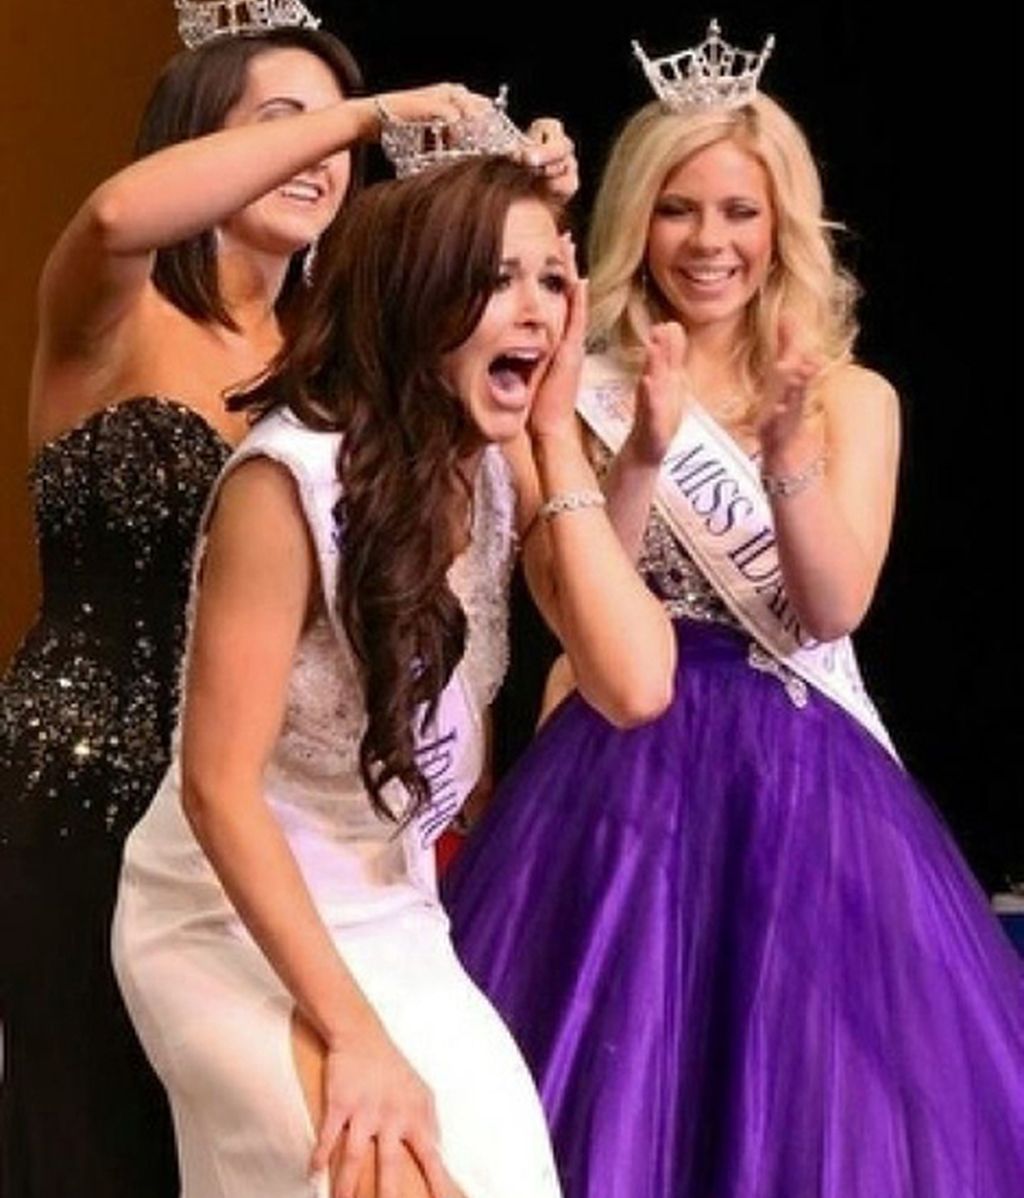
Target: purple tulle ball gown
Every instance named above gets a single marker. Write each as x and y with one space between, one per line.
740 949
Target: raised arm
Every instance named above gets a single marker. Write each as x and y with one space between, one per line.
258 578
617 635
104 258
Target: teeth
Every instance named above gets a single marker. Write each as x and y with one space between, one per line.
301 191
709 274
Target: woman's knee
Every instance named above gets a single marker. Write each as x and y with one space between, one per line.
308 1052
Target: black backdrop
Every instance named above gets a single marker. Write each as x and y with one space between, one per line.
908 122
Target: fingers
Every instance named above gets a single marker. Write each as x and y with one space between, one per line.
551 151
448 102
330 1129
465 102
427 1156
352 1158
576 325
668 342
795 365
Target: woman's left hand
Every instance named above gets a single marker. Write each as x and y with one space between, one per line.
782 427
551 151
553 413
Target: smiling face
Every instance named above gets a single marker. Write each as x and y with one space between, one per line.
497 369
710 240
279 83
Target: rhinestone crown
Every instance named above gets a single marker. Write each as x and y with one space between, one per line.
713 74
200 21
414 146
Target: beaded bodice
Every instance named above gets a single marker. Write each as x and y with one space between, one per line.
88 704
666 567
676 579
315 762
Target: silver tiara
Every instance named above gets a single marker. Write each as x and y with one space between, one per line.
711 75
202 21
414 146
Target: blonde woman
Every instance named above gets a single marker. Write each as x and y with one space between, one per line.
737 946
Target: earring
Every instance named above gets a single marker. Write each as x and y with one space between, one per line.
309 263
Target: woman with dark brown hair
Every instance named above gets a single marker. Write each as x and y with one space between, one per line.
278 936
170 283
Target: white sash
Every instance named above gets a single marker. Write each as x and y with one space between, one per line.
711 497
450 748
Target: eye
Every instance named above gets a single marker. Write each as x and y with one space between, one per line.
555 282
502 280
674 206
742 210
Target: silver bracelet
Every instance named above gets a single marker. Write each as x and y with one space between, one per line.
569 501
786 486
384 115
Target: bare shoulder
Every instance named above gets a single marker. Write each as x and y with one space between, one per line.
862 416
852 388
258 509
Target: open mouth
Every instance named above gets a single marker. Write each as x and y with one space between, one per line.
511 374
303 190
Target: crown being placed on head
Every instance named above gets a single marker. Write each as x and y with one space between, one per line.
200 21
711 75
414 146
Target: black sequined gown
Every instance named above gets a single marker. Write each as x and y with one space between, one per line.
86 713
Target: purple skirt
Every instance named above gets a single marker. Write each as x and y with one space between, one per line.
743 955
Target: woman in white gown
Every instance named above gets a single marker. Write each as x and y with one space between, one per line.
278 936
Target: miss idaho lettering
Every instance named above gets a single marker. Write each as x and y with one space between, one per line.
711 497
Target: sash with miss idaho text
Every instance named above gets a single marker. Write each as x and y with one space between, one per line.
711 497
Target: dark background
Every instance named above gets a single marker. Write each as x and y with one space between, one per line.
909 122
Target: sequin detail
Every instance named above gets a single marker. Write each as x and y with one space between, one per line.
675 578
794 686
315 764
88 704
666 567
672 575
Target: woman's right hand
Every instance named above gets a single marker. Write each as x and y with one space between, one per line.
373 1096
662 394
440 102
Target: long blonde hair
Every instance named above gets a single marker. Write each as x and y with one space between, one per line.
804 280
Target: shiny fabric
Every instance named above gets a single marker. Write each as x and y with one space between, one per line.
742 954
212 1013
86 713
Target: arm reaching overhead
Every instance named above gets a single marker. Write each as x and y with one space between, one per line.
104 258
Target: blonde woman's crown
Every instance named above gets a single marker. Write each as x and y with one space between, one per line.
713 74
200 21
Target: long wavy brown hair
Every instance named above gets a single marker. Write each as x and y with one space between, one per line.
403 278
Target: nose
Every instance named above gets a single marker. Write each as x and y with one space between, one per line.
531 307
708 233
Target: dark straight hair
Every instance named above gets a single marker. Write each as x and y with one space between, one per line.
192 97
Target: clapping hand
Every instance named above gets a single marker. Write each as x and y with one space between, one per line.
662 394
781 425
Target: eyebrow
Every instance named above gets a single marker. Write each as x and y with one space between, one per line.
287 101
550 260
745 197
